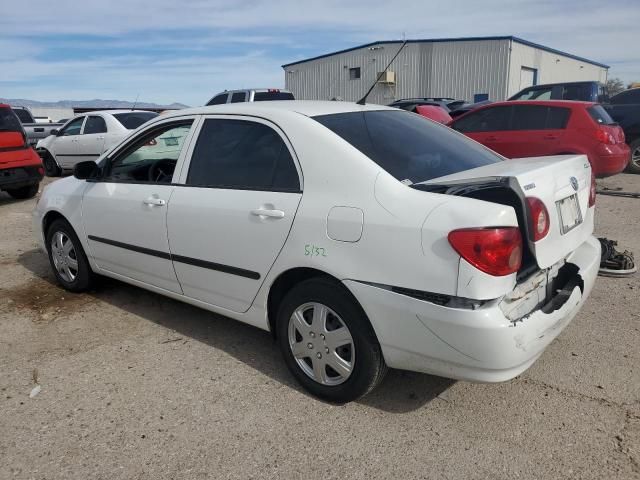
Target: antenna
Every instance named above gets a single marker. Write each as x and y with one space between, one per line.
135 103
364 99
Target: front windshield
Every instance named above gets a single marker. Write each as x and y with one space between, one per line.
408 146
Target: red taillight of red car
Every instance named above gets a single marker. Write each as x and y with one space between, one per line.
592 191
496 251
603 135
539 218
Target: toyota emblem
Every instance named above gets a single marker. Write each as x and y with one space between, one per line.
574 183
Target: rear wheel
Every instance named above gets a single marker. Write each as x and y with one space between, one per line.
67 258
24 192
328 343
634 163
51 168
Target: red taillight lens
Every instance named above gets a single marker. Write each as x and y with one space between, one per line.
496 251
604 136
539 218
592 190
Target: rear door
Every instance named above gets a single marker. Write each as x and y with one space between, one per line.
65 148
489 126
230 220
91 142
537 130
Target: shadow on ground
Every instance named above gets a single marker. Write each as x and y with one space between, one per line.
399 392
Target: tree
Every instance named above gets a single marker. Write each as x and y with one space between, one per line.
615 85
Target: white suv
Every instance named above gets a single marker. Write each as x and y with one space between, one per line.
251 95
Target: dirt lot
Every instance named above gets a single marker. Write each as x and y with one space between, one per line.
138 386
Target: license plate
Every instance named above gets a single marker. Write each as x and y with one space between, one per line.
569 213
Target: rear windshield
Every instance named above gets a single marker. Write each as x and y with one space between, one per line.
9 121
23 115
133 120
600 115
409 147
265 96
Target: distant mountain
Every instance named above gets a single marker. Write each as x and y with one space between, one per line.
86 103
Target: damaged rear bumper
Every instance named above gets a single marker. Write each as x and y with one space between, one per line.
492 343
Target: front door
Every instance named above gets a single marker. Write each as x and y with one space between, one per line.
229 222
65 148
125 212
91 142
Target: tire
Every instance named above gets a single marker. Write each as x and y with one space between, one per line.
355 352
24 192
51 168
77 276
634 162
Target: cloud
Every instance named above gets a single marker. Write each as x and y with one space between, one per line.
187 51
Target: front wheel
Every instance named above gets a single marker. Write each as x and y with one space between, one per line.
634 162
328 343
51 168
24 192
67 257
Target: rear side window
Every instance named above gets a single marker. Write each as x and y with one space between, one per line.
9 121
238 97
272 95
408 146
600 115
242 155
538 117
628 97
95 125
490 119
219 99
133 120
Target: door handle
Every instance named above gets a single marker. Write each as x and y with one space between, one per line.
550 137
260 212
100 138
155 201
491 139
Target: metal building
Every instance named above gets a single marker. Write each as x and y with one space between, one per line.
463 68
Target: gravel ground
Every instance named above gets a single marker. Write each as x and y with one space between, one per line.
134 385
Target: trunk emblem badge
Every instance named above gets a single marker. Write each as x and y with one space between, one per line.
574 183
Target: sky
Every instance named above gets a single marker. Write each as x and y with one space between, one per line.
187 50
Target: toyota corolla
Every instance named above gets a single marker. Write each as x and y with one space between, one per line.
362 237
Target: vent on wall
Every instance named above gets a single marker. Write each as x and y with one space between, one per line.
388 77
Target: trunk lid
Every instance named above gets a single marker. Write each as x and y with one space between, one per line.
562 183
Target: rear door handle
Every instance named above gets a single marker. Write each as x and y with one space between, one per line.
260 212
550 137
155 201
491 139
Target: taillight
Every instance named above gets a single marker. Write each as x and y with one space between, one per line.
605 136
496 251
592 190
539 218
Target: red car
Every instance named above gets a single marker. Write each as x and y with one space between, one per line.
433 112
539 128
21 168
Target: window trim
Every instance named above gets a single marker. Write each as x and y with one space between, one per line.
123 148
182 179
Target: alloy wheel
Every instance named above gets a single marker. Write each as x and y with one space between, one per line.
64 256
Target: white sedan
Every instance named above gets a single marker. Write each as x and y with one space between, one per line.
86 137
362 237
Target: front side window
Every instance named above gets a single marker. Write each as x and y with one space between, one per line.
408 146
238 97
240 154
73 127
491 119
151 158
534 94
95 125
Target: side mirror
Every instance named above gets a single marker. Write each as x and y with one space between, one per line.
55 131
86 170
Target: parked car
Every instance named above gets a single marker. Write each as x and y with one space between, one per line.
434 112
624 108
410 104
363 237
87 136
20 167
34 130
251 95
539 128
595 92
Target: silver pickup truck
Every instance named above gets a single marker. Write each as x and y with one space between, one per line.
35 131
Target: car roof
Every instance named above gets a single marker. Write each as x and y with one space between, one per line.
546 103
309 108
545 85
112 112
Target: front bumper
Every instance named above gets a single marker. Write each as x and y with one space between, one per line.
480 345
